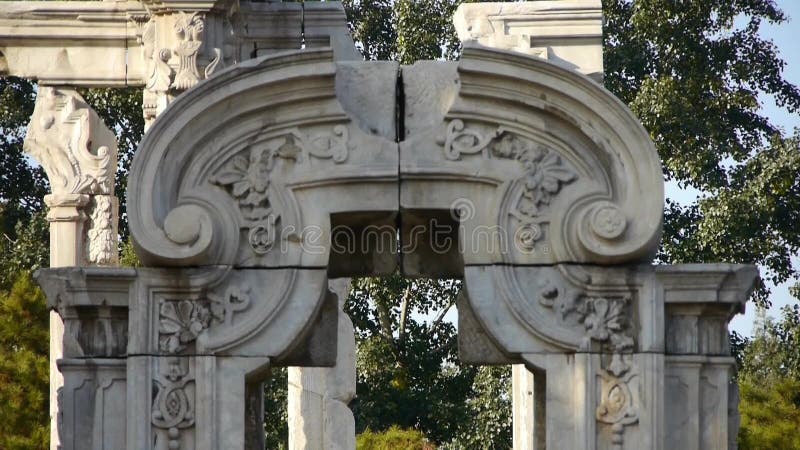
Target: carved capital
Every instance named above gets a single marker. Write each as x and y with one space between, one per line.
66 207
68 138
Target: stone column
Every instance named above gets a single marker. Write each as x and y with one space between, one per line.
564 32
319 415
79 154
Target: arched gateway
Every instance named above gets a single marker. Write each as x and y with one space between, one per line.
529 180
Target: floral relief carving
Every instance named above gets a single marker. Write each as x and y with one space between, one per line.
182 321
544 172
188 28
606 321
102 234
247 178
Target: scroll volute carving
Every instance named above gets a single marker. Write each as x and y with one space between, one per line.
71 142
207 168
587 185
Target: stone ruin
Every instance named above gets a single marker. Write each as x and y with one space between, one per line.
280 163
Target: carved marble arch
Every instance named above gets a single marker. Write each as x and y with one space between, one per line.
539 166
557 163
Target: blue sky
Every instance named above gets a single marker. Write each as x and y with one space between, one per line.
785 38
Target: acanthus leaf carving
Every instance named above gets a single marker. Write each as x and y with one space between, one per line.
76 149
189 29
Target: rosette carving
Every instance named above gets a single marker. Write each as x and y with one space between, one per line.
182 321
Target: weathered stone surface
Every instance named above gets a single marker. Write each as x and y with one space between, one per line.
318 398
234 198
60 43
79 155
566 32
539 164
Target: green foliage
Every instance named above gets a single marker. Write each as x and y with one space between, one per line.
489 422
770 413
408 371
27 251
769 383
127 255
692 72
21 187
404 30
23 366
774 351
276 425
392 439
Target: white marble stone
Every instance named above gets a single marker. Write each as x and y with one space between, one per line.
79 156
235 196
567 32
318 398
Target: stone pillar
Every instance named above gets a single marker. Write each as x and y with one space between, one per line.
566 32
79 154
528 408
319 415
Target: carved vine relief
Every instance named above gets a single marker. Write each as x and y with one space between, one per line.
606 320
544 172
102 237
248 177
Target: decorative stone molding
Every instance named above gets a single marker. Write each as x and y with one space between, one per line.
618 406
233 211
134 38
71 142
174 404
79 155
567 32
524 136
251 189
182 321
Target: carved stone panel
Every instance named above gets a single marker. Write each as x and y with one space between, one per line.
551 167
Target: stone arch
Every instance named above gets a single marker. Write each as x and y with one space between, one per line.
247 169
238 188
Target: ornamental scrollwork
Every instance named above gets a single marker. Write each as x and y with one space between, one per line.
617 406
248 177
173 406
544 172
182 321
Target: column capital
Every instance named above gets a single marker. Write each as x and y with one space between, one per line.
66 207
